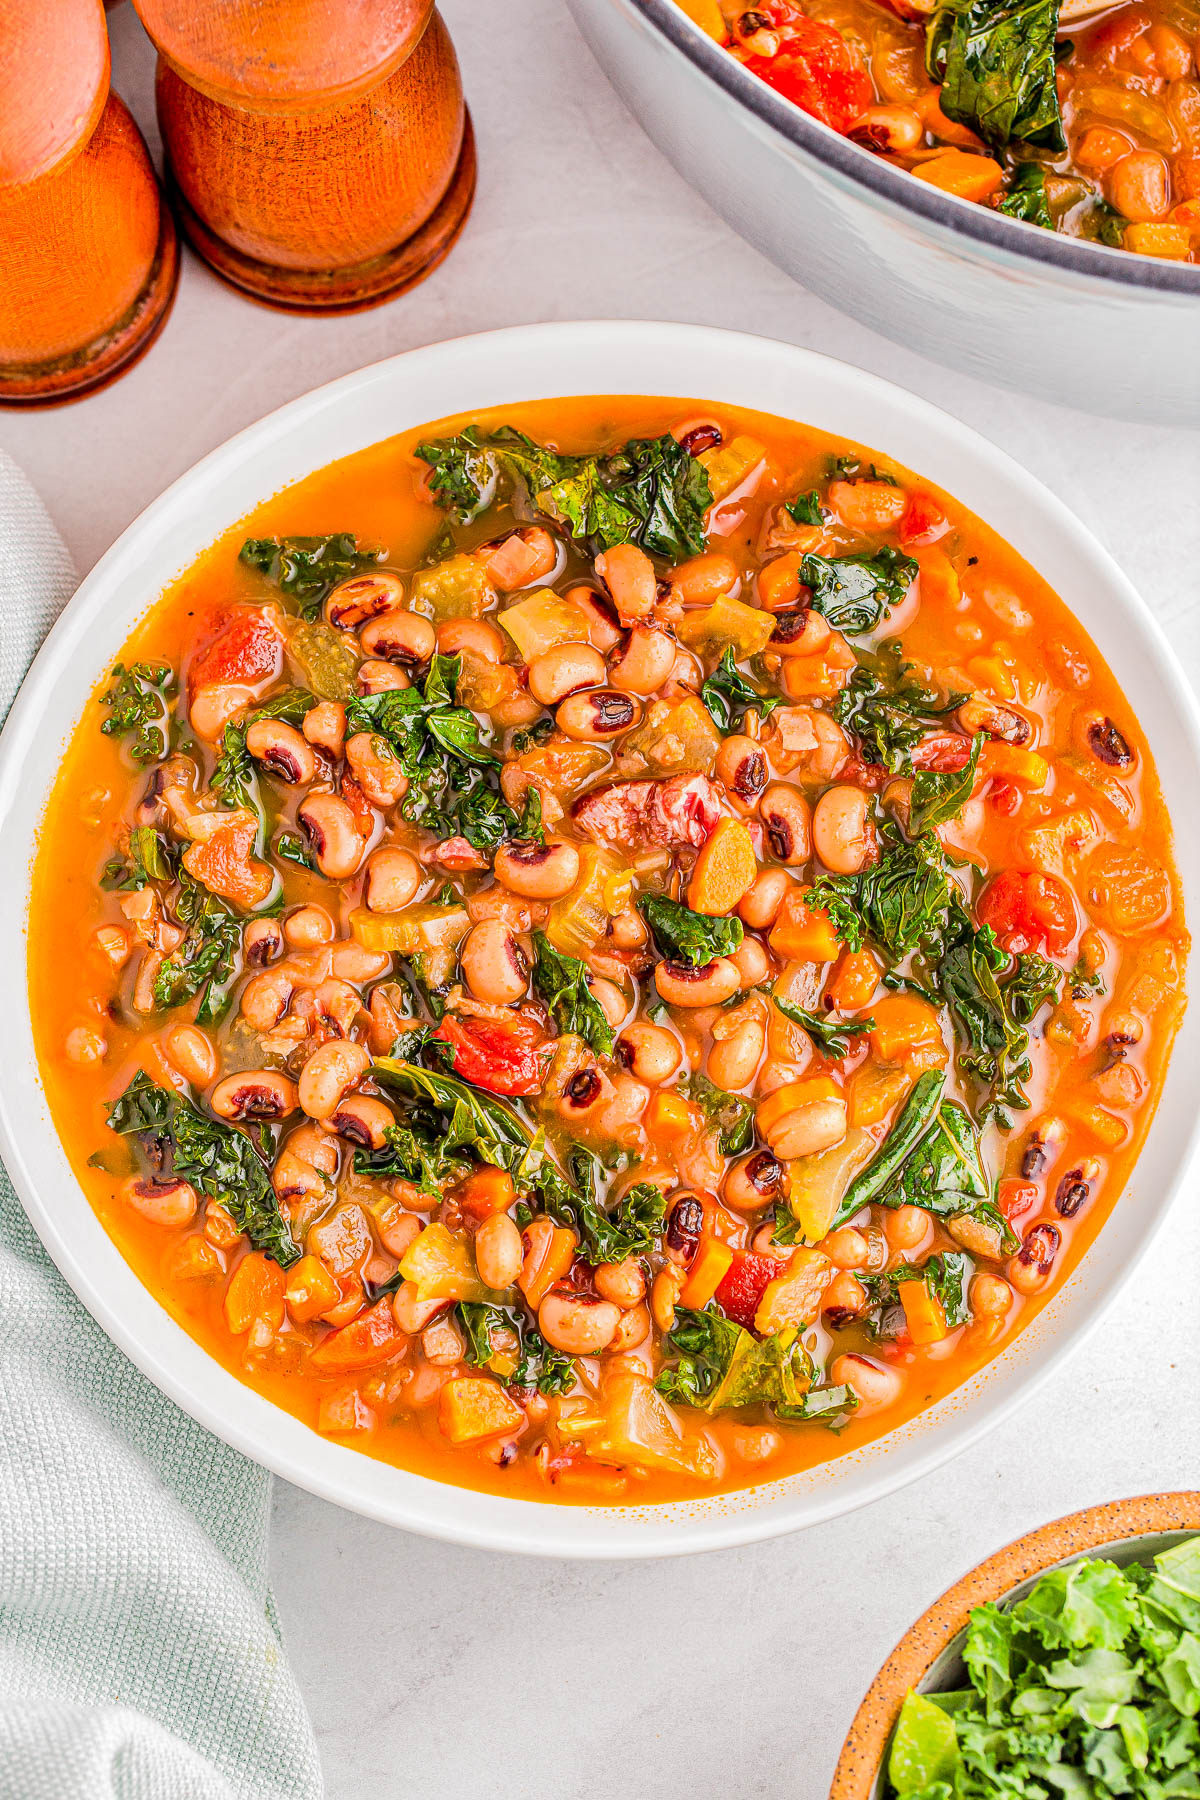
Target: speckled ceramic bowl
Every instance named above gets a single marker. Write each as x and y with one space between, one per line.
928 1655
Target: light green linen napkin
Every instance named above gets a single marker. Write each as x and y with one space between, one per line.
140 1657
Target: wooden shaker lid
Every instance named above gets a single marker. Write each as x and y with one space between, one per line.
281 52
54 71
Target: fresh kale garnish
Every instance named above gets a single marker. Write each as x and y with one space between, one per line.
415 1152
833 1037
534 737
206 961
529 827
888 712
939 796
563 983
856 592
995 60
228 1165
294 849
233 776
138 708
853 468
651 492
305 568
904 901
729 696
1084 980
1026 198
633 1229
150 857
1088 1685
730 1112
684 936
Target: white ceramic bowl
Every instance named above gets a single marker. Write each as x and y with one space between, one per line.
1064 320
494 370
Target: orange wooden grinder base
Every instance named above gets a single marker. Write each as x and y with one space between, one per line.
90 257
319 152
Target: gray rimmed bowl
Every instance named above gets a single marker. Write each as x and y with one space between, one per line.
1064 320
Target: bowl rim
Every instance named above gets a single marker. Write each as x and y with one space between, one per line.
494 369
895 187
1063 1540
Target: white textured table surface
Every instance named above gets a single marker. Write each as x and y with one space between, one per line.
444 1672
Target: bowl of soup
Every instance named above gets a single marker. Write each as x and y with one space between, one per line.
625 940
1011 191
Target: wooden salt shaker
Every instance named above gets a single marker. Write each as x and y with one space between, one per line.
88 254
320 152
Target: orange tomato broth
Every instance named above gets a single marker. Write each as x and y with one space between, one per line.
1039 652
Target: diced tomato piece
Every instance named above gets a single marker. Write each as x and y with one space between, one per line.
815 68
367 1340
744 1283
924 520
247 647
1015 1197
943 751
1006 797
1029 912
505 1056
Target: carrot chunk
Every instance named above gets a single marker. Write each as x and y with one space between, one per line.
255 1291
724 871
802 933
709 1266
958 172
371 1338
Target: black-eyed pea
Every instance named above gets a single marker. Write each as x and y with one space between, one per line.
401 637
114 944
598 715
679 984
980 714
603 626
736 1052
796 1122
612 1001
378 677
499 1252
254 1094
1029 1270
633 1328
756 1443
361 597
906 1227
846 1248
763 1244
784 812
842 833
990 1296
410 1312
644 662
741 767
470 637
308 927
759 906
648 1052
265 998
393 878
664 1295
844 1298
577 1323
628 929
376 768
170 1202
624 1283
283 750
751 961
753 1181
262 941
330 827
494 965
363 1120
875 1385
1095 734
191 1051
564 669
538 871
329 1075
85 1046
316 1147
325 727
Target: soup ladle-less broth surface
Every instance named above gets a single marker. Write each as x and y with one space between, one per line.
613 971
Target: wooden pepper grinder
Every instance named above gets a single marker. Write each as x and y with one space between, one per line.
319 150
88 254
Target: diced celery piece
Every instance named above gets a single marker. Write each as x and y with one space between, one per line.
543 620
326 660
416 928
727 624
729 466
455 589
